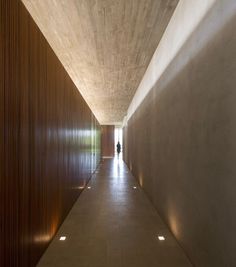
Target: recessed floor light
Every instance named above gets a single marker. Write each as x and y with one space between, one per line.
89 187
161 238
62 238
134 187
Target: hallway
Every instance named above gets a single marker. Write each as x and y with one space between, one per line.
113 224
79 76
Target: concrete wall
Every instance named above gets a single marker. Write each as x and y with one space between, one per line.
180 142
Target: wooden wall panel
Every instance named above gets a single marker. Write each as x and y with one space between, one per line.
49 139
2 161
108 140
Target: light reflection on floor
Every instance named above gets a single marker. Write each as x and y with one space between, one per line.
113 225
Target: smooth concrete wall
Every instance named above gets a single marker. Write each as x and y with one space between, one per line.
180 143
187 16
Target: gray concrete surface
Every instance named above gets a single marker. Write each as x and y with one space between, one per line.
113 225
181 142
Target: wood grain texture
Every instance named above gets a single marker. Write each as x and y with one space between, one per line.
49 139
105 45
108 139
2 159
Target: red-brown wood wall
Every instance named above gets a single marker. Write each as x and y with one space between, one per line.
49 139
108 140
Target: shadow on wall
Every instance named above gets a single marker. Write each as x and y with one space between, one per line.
185 130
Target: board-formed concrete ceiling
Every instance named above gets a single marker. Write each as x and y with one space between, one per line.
105 45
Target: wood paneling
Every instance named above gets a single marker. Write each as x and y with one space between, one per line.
2 159
49 139
104 44
108 140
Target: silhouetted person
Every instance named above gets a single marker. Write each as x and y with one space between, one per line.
118 147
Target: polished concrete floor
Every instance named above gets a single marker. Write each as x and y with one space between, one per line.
113 224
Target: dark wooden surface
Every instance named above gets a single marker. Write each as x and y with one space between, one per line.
49 139
108 140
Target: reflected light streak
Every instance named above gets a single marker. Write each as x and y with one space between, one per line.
42 238
130 166
174 225
81 187
141 180
172 218
118 167
46 237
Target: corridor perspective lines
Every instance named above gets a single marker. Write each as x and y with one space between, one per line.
113 224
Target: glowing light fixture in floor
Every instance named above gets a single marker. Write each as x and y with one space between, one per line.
62 238
161 238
